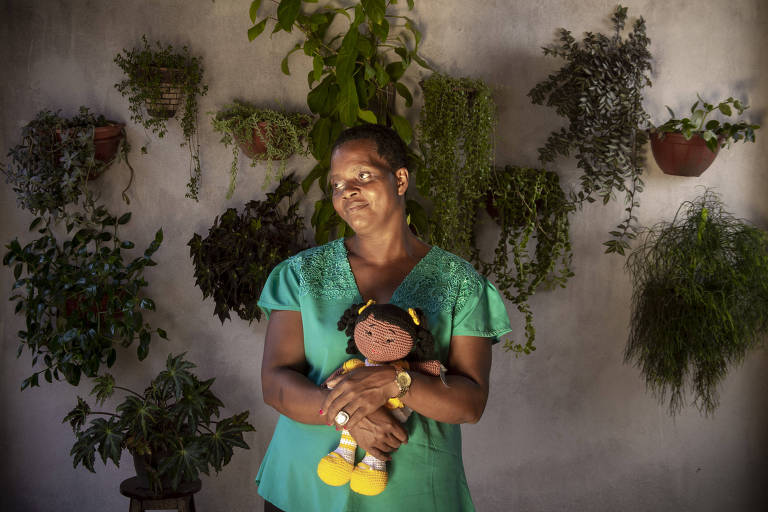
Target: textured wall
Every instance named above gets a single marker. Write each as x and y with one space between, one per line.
568 428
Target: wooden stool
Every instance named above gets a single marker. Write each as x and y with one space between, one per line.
182 499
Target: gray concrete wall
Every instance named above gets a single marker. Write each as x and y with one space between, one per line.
567 428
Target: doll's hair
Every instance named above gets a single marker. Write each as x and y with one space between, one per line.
423 341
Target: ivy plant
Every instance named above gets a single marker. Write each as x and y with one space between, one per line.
152 74
356 65
49 169
699 303
713 132
534 247
233 262
456 142
283 134
169 425
80 294
599 93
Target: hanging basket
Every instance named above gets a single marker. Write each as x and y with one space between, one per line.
106 141
680 157
255 147
167 104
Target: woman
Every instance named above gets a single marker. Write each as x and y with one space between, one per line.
304 298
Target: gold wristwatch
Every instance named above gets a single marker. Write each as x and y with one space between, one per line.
403 381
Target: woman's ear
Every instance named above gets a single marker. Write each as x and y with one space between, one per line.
402 179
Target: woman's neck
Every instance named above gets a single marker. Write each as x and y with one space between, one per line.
384 248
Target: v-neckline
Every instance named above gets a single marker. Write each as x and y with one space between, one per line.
399 286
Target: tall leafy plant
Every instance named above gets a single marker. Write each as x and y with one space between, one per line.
534 246
699 303
152 74
599 93
355 69
456 143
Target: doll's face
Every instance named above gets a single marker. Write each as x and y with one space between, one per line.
382 341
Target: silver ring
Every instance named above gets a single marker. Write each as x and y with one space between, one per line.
341 419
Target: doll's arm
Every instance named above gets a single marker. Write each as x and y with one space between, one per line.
348 366
432 367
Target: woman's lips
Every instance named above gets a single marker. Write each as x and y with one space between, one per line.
353 207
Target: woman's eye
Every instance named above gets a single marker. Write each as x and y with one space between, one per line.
364 175
338 185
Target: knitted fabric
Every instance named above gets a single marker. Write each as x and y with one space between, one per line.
369 476
336 467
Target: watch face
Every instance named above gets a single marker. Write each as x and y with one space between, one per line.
403 380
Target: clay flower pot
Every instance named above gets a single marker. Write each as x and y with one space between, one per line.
255 147
680 157
170 98
106 141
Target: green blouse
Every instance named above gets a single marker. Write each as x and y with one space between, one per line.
427 473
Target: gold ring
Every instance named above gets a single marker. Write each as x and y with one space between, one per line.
341 419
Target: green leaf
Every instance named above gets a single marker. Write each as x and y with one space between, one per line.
124 218
348 104
725 109
321 135
318 172
395 70
254 10
367 116
381 30
108 437
410 5
184 463
375 9
317 67
345 61
403 91
77 416
287 12
104 387
402 127
284 63
162 333
317 97
176 374
229 434
257 29
410 25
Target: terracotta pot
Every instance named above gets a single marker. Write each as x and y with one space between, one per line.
255 147
171 95
72 305
106 140
680 157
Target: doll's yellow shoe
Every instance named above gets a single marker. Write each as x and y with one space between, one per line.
334 470
368 481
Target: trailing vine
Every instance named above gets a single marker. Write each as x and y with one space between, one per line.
532 213
158 80
699 303
282 133
599 92
456 142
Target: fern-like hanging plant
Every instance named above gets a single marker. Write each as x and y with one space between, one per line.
700 301
599 92
456 142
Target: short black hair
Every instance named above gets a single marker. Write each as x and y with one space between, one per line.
389 145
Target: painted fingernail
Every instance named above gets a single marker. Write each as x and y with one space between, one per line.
321 411
338 428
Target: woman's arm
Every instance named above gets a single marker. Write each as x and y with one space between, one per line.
287 389
462 401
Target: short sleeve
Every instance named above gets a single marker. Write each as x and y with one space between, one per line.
481 311
281 291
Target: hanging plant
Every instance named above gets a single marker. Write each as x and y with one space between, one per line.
534 246
456 143
356 71
700 301
158 81
169 428
80 296
263 134
49 168
233 262
687 146
599 92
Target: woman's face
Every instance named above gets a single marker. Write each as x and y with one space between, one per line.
366 193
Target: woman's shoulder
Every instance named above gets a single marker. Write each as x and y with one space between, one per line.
323 271
454 267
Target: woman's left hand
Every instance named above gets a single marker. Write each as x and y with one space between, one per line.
359 393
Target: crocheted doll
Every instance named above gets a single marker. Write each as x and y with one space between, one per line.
384 334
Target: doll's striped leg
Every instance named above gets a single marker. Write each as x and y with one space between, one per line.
369 476
336 467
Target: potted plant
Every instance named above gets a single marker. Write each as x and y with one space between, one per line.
159 79
699 302
49 168
357 68
233 262
456 142
263 135
168 428
688 146
599 92
80 295
534 247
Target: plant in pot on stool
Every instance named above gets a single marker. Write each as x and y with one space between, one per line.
49 168
168 428
688 146
263 134
160 80
233 262
531 211
699 303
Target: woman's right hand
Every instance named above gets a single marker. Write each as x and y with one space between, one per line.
379 434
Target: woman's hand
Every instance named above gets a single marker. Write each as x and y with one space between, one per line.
379 433
359 393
